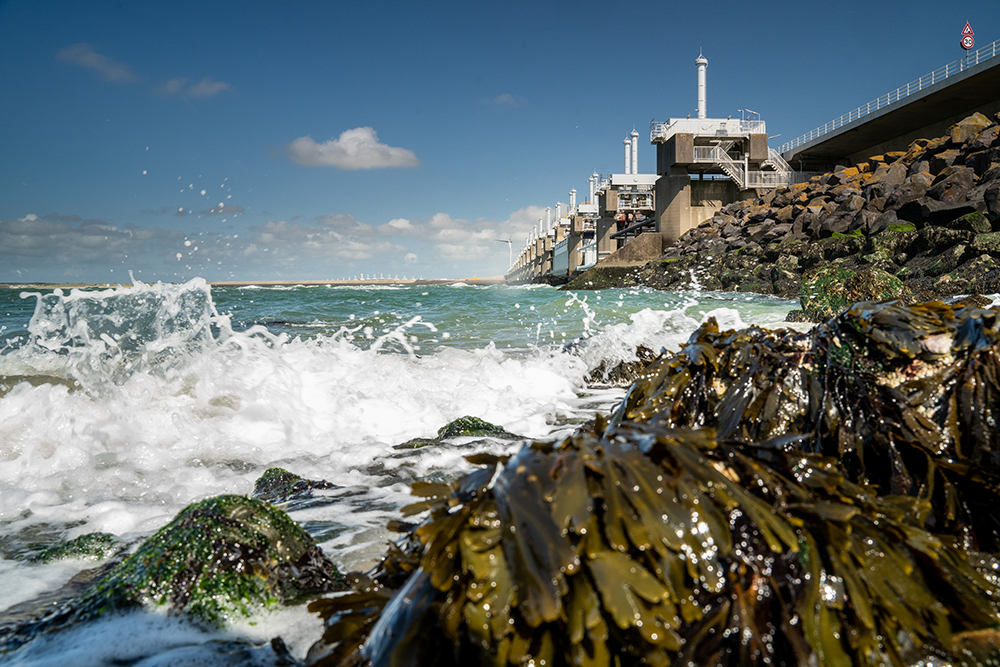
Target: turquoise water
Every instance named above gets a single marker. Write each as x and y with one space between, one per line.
119 407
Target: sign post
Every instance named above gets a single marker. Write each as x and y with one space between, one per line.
967 40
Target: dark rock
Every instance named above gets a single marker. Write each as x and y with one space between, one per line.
474 427
277 486
926 210
937 239
973 222
952 184
837 223
987 138
968 129
883 221
944 159
905 193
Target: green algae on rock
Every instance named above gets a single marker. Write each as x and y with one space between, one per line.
92 546
826 291
220 558
278 486
473 427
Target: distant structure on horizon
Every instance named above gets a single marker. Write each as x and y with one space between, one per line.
630 217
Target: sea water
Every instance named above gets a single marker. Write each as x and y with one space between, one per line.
119 407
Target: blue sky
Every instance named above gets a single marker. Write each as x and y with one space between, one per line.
311 140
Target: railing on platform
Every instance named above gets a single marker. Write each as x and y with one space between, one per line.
660 130
940 74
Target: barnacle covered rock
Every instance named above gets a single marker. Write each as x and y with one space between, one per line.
223 557
757 498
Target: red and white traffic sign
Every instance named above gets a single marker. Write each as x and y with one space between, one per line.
967 40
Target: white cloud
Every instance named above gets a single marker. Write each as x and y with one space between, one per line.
353 149
83 55
207 88
171 87
410 258
505 100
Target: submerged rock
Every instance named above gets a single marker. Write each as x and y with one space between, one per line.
278 486
92 546
463 427
220 558
757 498
474 427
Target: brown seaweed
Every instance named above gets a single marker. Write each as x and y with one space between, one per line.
757 498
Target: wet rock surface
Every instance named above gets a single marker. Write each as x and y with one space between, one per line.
758 498
928 216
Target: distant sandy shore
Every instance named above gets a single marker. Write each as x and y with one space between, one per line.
494 280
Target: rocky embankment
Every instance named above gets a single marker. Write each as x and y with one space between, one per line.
921 224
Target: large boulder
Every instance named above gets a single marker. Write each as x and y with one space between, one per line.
221 558
826 291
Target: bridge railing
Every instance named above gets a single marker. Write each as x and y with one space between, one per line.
940 74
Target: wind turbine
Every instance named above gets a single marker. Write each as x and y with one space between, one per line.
510 250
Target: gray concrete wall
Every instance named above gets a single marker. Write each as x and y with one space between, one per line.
673 204
638 251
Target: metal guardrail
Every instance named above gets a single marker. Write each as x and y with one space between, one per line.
940 74
659 130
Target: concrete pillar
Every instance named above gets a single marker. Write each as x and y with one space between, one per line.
673 204
606 226
547 252
573 243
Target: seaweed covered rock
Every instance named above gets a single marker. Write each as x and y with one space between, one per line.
757 498
463 427
906 397
641 544
91 546
219 558
280 487
828 290
473 427
624 373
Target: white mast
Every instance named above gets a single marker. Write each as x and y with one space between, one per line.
635 152
702 64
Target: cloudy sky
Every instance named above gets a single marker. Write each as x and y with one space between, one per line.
259 140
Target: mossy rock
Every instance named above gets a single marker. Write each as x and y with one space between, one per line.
603 277
277 485
474 427
225 557
92 546
828 290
